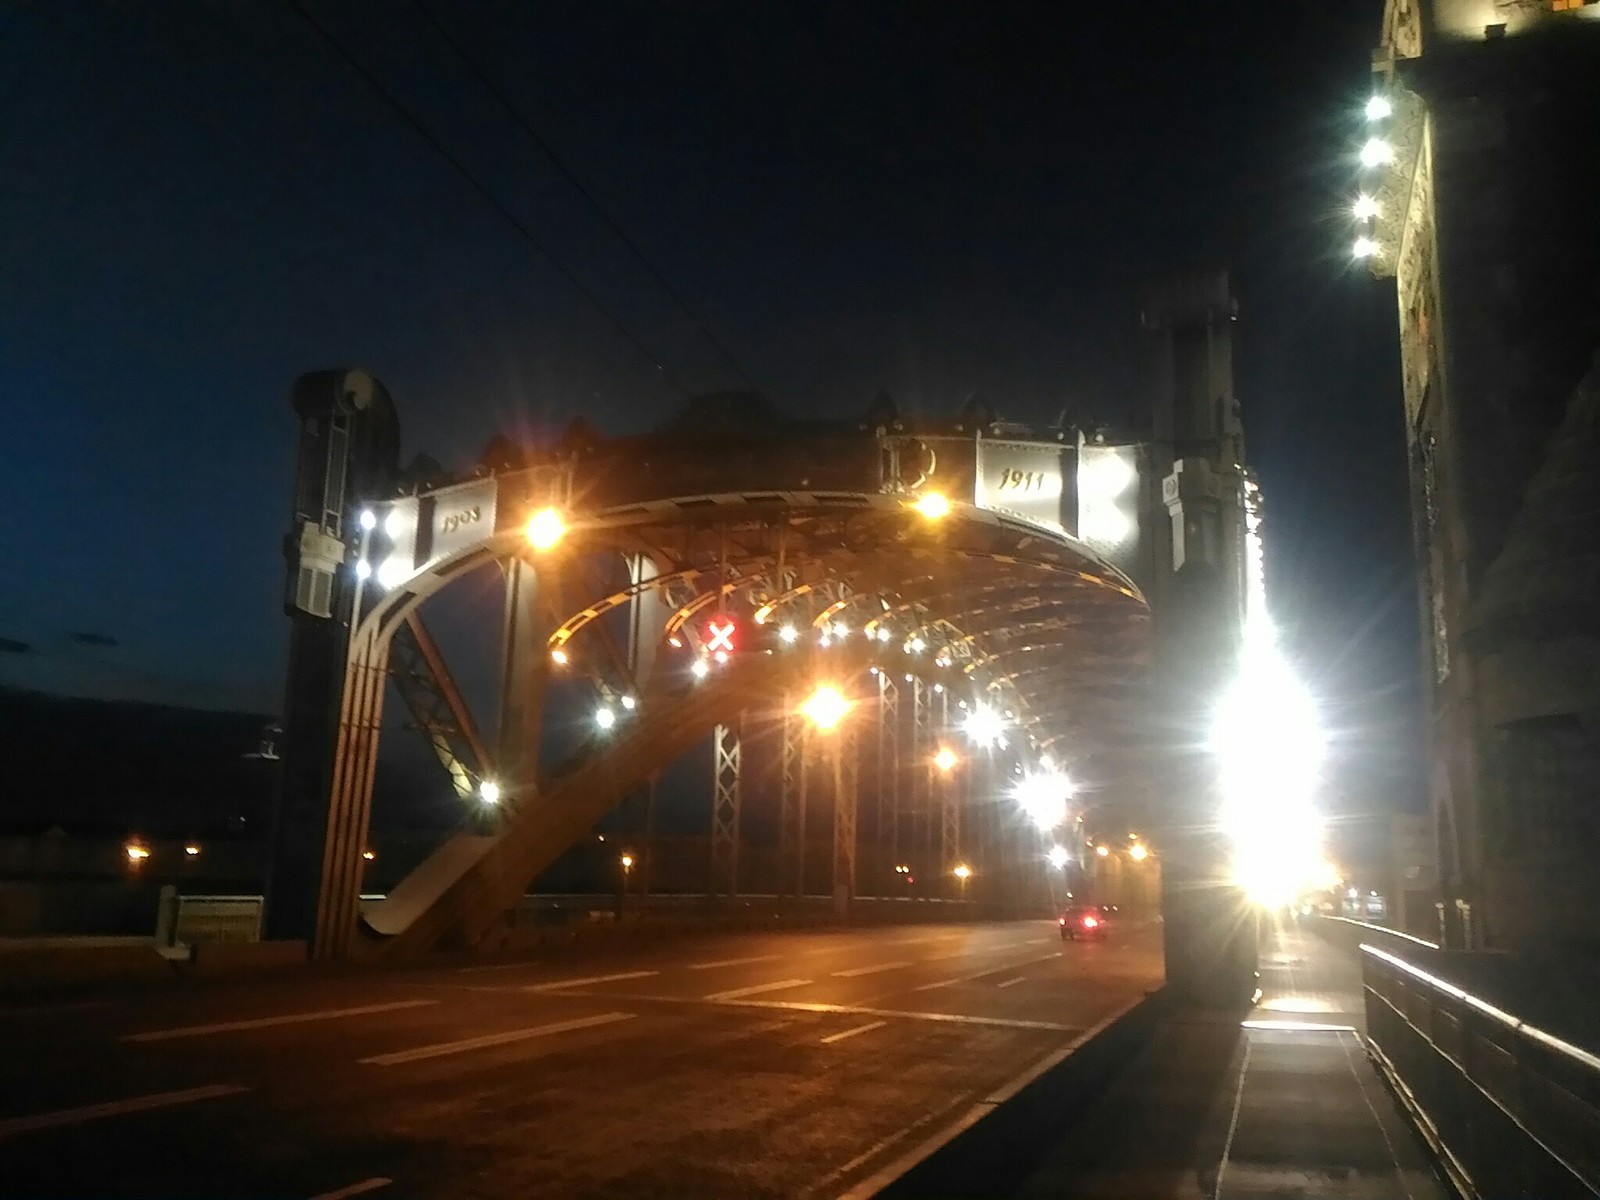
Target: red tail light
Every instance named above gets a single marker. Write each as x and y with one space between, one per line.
1090 922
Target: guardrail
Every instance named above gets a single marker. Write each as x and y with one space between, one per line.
1509 1108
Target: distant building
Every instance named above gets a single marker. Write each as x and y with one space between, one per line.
1481 198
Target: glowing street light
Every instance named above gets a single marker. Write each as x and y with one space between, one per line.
1103 851
192 850
825 707
1378 107
136 852
1364 247
605 716
788 635
489 792
368 855
932 505
1138 852
700 669
985 727
1365 207
545 528
1058 857
368 519
962 872
946 759
630 703
916 645
559 657
1043 797
627 862
1376 153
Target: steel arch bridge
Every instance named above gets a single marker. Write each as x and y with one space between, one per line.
942 563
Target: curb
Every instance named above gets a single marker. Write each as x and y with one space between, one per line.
989 1149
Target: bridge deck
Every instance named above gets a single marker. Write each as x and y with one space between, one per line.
763 1065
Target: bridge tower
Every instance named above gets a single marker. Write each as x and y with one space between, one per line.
1195 572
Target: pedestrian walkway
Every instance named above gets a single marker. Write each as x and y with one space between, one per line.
1282 1105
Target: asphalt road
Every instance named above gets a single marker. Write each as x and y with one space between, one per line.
764 1065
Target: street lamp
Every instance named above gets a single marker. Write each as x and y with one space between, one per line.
545 528
946 759
1103 851
932 505
825 707
1058 857
489 792
1137 852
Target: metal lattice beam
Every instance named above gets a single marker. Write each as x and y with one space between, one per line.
846 784
726 756
436 705
792 799
889 763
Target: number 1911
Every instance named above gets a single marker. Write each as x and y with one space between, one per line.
1012 480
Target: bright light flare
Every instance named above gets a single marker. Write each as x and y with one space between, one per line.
962 872
1269 747
545 528
984 726
1364 247
1043 797
559 657
1103 851
1138 852
489 792
825 707
1365 207
630 703
1376 153
627 862
368 519
946 759
1378 107
1058 857
788 635
394 571
932 505
605 717
700 669
192 850
136 853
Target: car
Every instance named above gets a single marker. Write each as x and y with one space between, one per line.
1085 921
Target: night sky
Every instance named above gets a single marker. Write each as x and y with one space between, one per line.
199 201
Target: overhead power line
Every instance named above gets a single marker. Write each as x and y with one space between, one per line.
522 123
477 185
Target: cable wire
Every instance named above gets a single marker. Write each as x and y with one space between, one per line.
477 185
548 151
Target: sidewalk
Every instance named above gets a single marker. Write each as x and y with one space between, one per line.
1284 1105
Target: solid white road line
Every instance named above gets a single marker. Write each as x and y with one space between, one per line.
740 993
12 1126
850 1033
440 1049
355 1189
566 983
1011 982
327 1014
732 962
873 970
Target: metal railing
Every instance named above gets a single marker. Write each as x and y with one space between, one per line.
1511 1109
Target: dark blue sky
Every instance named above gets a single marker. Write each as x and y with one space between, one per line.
198 202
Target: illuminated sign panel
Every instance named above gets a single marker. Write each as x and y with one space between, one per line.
1022 480
721 635
1108 503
